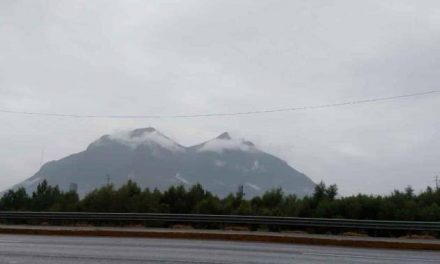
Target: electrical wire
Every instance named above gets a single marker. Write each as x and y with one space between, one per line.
256 112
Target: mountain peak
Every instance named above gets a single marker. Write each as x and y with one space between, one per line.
148 136
224 136
142 131
224 142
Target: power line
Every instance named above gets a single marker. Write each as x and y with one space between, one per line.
267 111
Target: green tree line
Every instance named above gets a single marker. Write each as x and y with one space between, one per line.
325 202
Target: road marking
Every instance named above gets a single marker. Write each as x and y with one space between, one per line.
406 258
10 241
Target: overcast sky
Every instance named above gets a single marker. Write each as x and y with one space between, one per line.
197 56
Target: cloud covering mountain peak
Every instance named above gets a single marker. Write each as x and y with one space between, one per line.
224 136
225 142
141 137
150 136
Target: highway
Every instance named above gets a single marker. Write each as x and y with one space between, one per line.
16 249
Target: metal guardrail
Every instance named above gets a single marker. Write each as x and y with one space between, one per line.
226 219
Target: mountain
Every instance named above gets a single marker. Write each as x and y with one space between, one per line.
153 160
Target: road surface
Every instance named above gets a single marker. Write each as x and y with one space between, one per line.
65 250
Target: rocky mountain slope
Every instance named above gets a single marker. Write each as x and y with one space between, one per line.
153 160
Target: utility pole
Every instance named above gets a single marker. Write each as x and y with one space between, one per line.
73 187
436 182
240 192
42 156
107 177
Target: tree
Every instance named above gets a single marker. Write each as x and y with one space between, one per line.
45 196
320 192
127 198
175 198
331 192
66 202
15 200
399 205
99 200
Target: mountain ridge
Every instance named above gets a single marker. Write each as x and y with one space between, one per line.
153 160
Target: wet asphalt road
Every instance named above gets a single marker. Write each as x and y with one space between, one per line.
62 250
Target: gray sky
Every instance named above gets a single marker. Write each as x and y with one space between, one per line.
190 57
